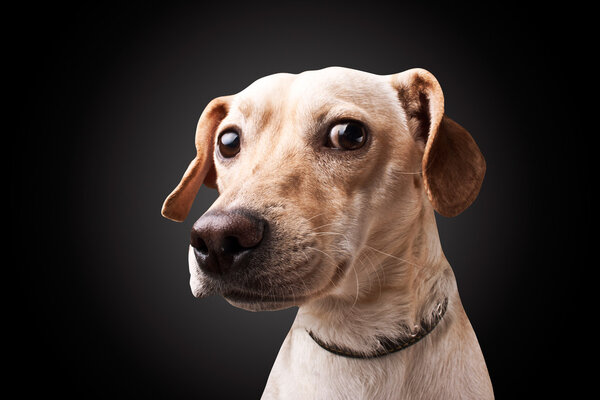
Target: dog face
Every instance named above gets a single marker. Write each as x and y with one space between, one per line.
310 168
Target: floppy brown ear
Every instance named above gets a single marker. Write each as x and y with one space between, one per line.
201 170
453 166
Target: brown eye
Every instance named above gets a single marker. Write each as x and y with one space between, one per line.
347 136
229 143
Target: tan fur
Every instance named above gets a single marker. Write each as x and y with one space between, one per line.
354 239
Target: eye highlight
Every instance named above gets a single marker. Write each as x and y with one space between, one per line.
229 143
349 135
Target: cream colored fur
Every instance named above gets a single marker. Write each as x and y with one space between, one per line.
357 247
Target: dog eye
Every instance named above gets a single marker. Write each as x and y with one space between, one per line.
229 143
348 136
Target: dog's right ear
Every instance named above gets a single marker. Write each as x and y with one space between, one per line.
201 170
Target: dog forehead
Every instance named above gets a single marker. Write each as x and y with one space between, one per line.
263 92
314 89
342 89
337 81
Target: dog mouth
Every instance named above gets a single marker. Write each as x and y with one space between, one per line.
257 288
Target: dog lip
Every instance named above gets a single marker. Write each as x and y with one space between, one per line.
248 297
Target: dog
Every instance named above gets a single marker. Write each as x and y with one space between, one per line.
328 181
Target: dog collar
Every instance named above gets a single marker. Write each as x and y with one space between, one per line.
390 346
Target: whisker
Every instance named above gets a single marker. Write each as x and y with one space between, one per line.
330 233
333 233
321 251
315 216
331 223
292 287
393 256
376 273
306 291
357 286
343 252
333 261
305 256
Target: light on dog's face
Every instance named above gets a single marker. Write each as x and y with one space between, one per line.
348 135
229 143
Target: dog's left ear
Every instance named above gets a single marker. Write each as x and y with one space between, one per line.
453 166
201 170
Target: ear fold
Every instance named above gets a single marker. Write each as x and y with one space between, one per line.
453 166
201 170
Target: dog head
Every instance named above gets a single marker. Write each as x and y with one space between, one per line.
309 168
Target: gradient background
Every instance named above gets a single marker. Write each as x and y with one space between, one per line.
106 106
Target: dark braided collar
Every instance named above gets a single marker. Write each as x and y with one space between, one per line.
390 346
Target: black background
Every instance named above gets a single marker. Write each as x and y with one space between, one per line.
105 105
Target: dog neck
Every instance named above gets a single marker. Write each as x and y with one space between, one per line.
390 345
390 291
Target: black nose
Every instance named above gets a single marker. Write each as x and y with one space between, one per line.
223 241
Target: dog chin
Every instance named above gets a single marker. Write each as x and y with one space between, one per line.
258 302
260 306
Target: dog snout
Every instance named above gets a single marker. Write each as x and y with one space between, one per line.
223 241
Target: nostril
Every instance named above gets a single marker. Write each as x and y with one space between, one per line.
200 245
231 245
